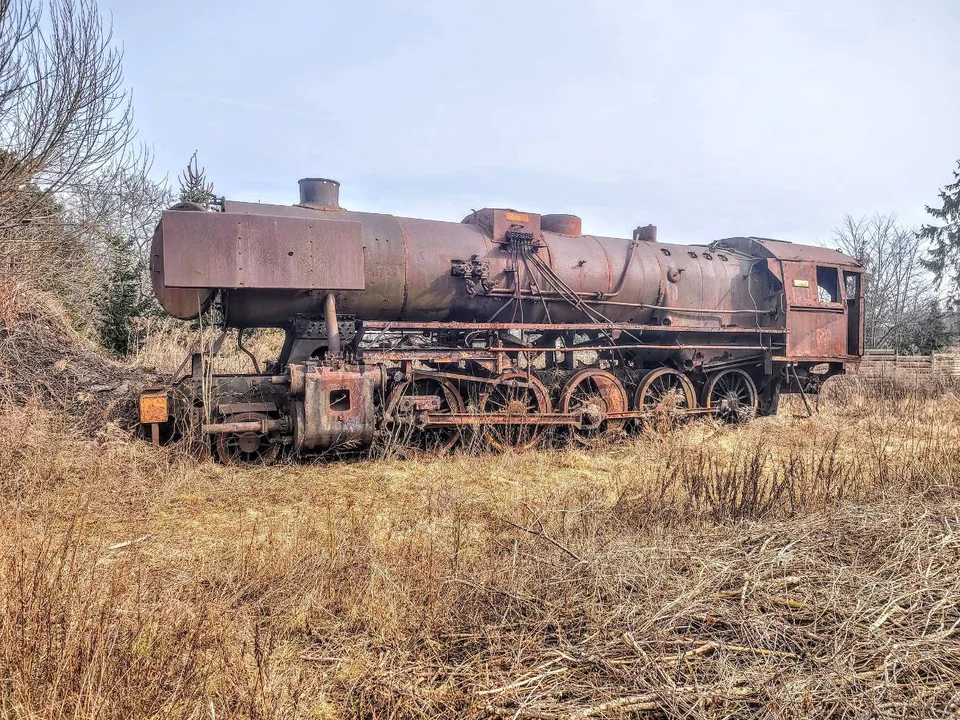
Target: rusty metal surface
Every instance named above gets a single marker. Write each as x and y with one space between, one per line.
250 426
247 407
561 224
497 221
250 208
182 303
418 402
500 302
410 273
704 288
817 329
783 250
154 406
595 394
583 263
453 356
410 269
475 419
485 419
337 407
223 250
557 327
320 193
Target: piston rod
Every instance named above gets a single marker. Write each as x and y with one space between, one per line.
258 426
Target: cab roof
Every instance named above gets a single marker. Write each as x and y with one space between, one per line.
784 250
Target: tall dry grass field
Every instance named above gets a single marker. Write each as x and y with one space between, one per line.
793 567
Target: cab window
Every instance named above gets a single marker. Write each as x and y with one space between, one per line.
828 284
851 283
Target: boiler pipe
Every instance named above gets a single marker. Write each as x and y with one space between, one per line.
333 327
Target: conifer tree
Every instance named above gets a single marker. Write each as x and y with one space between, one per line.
194 186
944 237
121 298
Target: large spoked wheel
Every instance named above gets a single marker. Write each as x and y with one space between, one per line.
249 448
665 395
594 394
516 395
401 411
734 395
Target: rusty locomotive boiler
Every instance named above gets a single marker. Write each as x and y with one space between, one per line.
504 328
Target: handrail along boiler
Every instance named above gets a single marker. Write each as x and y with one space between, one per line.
505 326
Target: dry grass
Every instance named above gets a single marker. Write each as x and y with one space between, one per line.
793 567
43 360
165 342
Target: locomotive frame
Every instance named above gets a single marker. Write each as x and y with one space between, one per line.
506 331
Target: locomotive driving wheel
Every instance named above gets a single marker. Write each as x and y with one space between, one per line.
401 409
594 394
733 393
248 448
516 395
665 395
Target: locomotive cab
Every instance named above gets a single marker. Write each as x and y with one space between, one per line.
822 298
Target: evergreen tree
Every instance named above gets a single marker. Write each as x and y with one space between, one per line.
929 332
194 186
944 238
121 298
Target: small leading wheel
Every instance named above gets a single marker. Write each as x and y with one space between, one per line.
734 395
516 395
594 394
400 408
665 395
249 448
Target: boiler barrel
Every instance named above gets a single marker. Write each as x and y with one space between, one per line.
411 271
273 262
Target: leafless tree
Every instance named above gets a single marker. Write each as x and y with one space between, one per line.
899 299
123 201
65 116
73 186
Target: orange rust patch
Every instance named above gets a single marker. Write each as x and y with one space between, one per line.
154 408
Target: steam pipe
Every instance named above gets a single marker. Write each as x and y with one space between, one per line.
333 327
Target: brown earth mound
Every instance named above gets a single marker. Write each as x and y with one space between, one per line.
44 360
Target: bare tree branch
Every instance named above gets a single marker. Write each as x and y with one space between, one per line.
65 116
900 301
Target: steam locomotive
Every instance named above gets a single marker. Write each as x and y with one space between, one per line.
502 329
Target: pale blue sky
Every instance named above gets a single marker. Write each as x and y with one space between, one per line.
708 119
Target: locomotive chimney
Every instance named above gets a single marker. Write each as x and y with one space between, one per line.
320 193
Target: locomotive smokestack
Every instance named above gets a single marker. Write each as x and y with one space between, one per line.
320 193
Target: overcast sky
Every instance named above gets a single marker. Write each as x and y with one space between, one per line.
707 119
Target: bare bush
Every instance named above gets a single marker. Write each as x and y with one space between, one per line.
901 309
